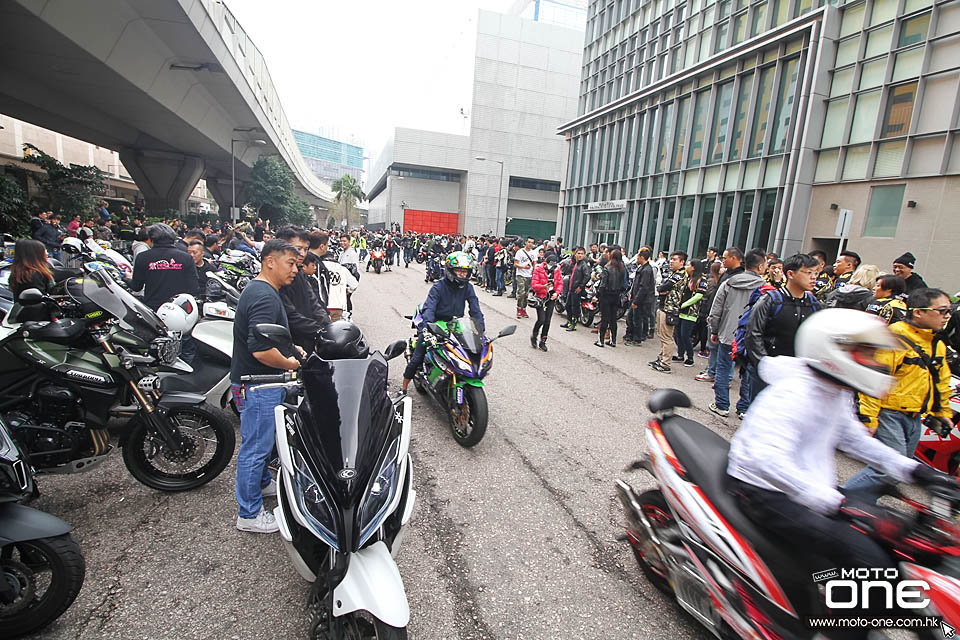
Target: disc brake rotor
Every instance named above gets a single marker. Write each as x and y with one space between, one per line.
20 578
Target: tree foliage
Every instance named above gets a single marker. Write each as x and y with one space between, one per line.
14 217
271 193
348 193
68 190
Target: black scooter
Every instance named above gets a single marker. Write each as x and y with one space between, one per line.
41 565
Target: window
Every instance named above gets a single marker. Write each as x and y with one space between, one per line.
533 183
889 159
666 137
936 113
785 98
884 211
720 41
842 82
907 64
702 239
896 117
743 221
680 137
768 204
739 28
865 117
759 130
781 12
759 22
827 166
852 20
696 139
834 122
740 120
855 164
914 30
883 10
653 210
666 230
683 225
721 120
427 174
871 74
878 41
847 51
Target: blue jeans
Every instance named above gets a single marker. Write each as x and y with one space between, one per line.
901 433
712 362
684 338
500 286
256 444
721 383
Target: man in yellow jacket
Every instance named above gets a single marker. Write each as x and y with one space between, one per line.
922 387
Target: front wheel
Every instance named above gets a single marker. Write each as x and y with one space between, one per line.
46 575
468 421
586 317
210 441
560 307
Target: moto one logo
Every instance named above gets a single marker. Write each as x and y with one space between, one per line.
855 588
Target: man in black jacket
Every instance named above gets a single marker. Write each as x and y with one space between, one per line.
163 271
903 267
305 314
642 297
579 277
777 314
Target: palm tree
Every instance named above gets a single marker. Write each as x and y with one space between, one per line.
348 193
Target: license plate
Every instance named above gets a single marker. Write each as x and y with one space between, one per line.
459 395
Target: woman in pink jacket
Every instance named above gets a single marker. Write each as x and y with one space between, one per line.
547 285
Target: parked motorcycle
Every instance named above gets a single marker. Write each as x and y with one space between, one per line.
943 451
345 490
458 357
692 541
220 298
237 268
377 256
41 565
98 358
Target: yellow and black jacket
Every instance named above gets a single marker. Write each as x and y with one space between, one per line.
890 309
920 388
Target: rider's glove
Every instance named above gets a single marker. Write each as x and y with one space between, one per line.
929 477
938 425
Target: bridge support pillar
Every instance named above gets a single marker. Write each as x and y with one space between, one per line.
165 178
219 188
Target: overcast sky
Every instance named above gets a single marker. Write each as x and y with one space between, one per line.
367 66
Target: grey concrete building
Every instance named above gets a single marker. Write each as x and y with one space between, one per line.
753 123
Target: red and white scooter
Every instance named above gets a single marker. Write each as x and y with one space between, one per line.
693 542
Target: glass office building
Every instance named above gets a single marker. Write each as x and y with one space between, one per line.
330 159
706 122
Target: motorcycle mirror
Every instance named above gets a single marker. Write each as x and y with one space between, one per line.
394 349
509 330
275 334
30 296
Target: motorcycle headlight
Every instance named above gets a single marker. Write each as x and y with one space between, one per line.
462 363
312 500
8 449
381 493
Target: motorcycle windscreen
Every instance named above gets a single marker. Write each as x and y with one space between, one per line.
468 333
345 419
100 289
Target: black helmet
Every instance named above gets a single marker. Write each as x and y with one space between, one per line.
341 340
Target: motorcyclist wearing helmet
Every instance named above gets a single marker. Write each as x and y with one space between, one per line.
446 300
781 461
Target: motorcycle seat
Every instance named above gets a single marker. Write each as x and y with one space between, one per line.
703 453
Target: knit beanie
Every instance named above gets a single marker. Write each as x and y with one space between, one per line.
906 259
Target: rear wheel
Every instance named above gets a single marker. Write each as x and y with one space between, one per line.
468 421
559 307
586 317
210 441
647 553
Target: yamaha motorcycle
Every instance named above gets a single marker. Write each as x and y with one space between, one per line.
345 490
458 357
41 565
693 543
98 358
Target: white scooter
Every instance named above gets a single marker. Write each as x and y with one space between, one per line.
345 490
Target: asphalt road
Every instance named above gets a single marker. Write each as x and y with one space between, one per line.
514 538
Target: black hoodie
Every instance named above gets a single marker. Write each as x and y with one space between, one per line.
163 272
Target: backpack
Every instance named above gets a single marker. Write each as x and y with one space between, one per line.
739 348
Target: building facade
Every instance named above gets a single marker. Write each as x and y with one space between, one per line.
731 122
524 87
330 159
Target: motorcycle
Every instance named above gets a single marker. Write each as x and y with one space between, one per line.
942 452
376 259
220 298
41 565
237 268
98 358
76 252
434 269
345 491
422 254
458 357
693 543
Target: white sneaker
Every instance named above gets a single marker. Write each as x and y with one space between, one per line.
270 490
263 523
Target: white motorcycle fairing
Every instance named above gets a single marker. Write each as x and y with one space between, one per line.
373 584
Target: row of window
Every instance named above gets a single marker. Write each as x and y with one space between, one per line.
533 183
425 174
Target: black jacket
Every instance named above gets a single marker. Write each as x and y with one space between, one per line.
915 282
48 235
163 272
772 334
305 314
644 285
729 273
611 281
580 276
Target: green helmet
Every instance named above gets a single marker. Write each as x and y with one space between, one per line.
458 260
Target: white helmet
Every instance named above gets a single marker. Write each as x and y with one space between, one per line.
842 344
180 313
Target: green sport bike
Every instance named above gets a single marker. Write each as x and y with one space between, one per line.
458 357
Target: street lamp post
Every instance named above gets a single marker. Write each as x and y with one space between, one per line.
234 215
499 191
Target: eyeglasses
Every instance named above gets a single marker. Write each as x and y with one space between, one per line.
944 311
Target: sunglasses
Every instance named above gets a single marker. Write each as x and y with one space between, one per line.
943 311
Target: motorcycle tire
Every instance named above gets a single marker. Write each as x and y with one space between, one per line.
418 385
420 259
587 316
653 502
475 401
63 556
622 311
362 626
376 268
560 307
142 447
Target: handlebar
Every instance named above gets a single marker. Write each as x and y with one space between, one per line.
270 378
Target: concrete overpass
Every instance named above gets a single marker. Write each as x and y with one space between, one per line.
166 83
